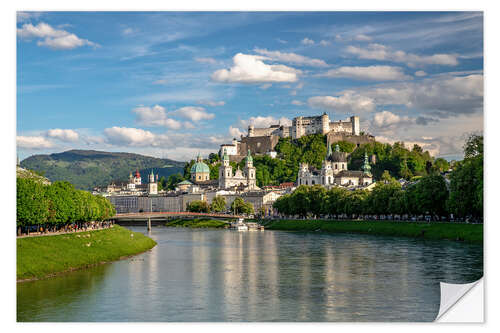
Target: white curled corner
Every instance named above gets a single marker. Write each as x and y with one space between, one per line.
461 302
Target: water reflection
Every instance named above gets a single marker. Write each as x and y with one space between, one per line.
222 275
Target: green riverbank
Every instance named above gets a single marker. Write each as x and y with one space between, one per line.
44 256
196 223
471 233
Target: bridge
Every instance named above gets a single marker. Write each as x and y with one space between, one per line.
160 218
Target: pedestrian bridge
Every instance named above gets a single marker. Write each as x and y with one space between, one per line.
157 218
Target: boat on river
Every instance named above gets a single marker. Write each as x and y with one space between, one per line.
239 225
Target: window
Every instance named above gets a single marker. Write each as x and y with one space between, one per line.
342 166
312 182
335 166
329 180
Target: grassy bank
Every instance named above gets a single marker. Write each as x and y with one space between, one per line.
39 257
196 223
472 233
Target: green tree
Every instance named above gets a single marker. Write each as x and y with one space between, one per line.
239 206
431 195
198 206
441 164
218 204
32 203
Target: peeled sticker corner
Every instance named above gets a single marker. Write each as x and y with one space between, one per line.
461 302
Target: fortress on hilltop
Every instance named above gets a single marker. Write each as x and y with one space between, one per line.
263 140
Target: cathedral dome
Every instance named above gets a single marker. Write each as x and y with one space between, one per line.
199 166
336 156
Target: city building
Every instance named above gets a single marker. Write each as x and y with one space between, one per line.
245 178
334 172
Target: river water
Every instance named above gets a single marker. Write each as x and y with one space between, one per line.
225 275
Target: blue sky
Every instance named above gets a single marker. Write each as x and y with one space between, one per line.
172 84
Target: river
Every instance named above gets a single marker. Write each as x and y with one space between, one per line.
224 275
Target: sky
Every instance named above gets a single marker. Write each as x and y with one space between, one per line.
175 84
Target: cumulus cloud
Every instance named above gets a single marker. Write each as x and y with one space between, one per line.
124 136
420 73
292 58
26 16
235 132
155 116
252 69
307 41
33 142
347 101
212 103
324 43
56 39
66 135
193 113
296 102
206 60
362 38
263 122
371 73
382 52
442 96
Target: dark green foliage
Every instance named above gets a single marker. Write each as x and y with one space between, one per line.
198 206
239 206
197 223
218 204
58 204
344 146
86 169
466 181
173 180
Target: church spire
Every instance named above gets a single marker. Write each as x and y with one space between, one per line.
366 166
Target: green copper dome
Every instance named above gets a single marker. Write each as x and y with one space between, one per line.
199 166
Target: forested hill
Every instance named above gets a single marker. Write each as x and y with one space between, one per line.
89 168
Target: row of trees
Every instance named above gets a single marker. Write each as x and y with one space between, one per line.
58 204
428 196
462 197
218 205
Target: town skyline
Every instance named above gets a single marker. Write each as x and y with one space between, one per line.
172 85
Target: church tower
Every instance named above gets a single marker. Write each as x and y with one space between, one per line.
152 185
250 171
225 171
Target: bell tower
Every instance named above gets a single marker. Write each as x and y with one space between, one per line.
225 171
250 171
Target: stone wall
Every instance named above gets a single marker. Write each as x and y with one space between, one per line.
258 144
358 140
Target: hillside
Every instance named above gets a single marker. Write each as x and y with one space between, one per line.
89 168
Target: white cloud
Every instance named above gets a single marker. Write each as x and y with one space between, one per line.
252 69
307 41
33 142
236 132
123 136
292 58
420 73
63 134
263 122
281 41
128 31
206 60
324 43
372 73
381 52
387 119
155 116
442 96
212 103
296 102
193 113
362 38
348 101
265 86
53 38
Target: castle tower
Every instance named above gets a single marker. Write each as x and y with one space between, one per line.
355 125
152 185
325 124
250 171
225 172
251 129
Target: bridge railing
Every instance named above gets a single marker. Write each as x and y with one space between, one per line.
145 214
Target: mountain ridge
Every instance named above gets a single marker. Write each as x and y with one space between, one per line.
87 169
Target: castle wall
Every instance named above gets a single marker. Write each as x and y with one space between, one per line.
258 145
358 140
